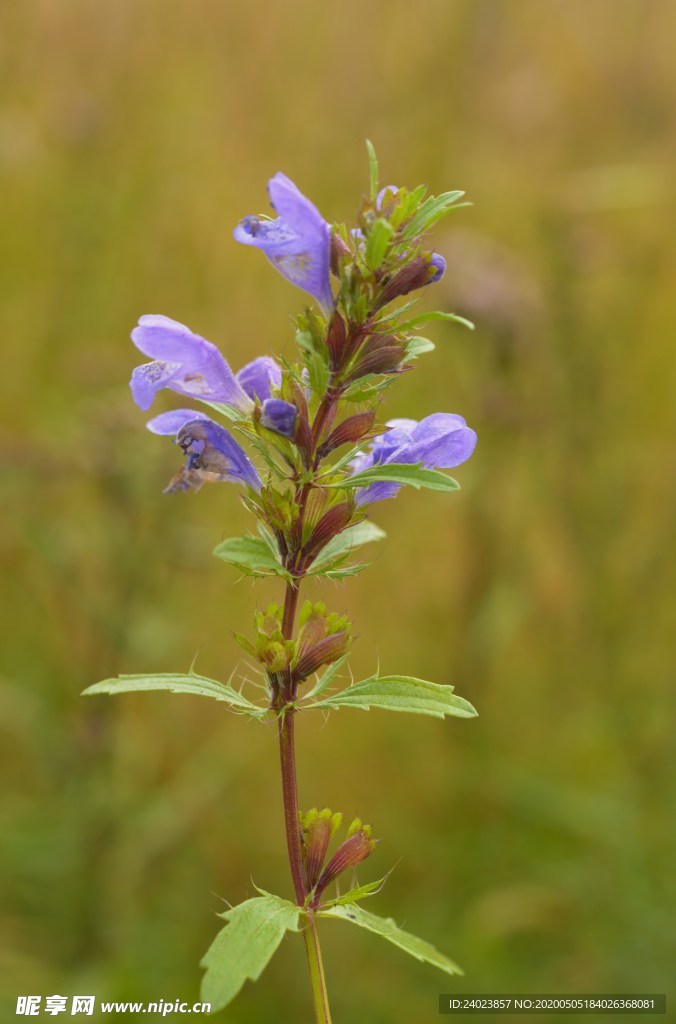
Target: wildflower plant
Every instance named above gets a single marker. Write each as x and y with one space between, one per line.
306 444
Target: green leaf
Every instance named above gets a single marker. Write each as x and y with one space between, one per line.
424 318
373 168
431 211
318 373
400 473
377 241
356 894
388 929
400 693
175 683
342 545
418 347
243 949
252 555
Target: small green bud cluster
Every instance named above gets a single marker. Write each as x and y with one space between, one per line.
323 638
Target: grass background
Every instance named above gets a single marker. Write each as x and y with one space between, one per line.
534 844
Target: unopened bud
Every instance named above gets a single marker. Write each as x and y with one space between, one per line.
355 849
317 828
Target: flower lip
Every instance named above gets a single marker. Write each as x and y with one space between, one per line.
183 361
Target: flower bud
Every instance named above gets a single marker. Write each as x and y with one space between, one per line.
382 353
329 526
336 339
317 828
279 416
323 638
355 849
354 428
338 251
421 270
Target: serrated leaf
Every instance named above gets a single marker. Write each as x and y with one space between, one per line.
401 473
318 373
360 892
351 538
418 347
388 929
377 242
172 682
252 555
425 318
400 693
242 950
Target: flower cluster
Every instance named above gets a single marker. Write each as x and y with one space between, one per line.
348 343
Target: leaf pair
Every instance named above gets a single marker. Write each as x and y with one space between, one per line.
242 950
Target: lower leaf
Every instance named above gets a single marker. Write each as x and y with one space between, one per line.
242 950
388 929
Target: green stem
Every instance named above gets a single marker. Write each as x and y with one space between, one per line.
320 998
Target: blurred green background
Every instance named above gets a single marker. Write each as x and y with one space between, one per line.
534 844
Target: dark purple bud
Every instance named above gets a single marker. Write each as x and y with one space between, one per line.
381 354
279 416
317 830
353 851
354 428
329 526
336 339
326 651
420 271
339 250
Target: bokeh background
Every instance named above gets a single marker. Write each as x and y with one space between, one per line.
534 844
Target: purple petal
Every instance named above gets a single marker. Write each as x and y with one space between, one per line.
440 441
168 424
279 416
297 243
184 362
211 449
259 376
437 261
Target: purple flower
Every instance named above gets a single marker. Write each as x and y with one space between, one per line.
297 243
212 453
279 416
259 377
184 362
440 441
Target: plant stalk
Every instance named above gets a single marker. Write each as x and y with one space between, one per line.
316 967
287 757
